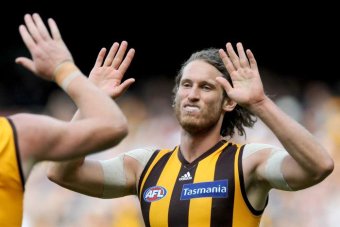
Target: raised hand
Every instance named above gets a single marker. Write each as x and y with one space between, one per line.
246 88
47 51
108 74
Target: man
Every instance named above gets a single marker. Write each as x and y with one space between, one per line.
28 138
208 180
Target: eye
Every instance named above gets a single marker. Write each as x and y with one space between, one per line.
206 87
186 84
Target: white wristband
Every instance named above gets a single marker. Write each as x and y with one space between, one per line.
273 171
66 82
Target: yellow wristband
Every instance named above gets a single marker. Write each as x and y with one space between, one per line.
63 70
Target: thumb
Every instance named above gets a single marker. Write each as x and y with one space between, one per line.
124 86
26 63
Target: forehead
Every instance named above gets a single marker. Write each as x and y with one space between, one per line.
200 70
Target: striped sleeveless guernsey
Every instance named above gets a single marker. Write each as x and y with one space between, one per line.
207 192
11 177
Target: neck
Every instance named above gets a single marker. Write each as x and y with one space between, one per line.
193 146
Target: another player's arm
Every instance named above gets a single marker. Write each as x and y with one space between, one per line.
103 124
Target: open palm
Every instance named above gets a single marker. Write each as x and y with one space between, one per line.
247 88
108 74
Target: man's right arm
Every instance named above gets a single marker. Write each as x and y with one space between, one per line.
115 177
111 178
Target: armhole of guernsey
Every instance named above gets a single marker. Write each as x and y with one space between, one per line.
241 202
149 165
13 147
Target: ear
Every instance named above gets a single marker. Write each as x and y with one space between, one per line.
228 104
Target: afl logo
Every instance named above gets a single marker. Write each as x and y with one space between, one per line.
154 193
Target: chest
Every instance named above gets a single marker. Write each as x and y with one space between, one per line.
174 192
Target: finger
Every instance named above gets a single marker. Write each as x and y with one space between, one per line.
252 60
27 38
111 55
242 55
32 28
227 63
120 55
225 83
41 27
26 62
127 61
100 58
54 29
125 85
233 56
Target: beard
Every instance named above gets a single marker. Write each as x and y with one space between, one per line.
202 121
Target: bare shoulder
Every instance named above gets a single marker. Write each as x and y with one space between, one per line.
30 128
23 118
28 121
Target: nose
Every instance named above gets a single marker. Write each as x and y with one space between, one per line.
194 94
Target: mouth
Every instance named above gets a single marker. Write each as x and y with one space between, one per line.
191 108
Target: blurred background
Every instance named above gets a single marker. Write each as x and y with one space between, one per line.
294 48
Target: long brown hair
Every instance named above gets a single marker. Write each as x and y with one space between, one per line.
239 117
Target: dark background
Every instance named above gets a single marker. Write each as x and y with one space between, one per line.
292 42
